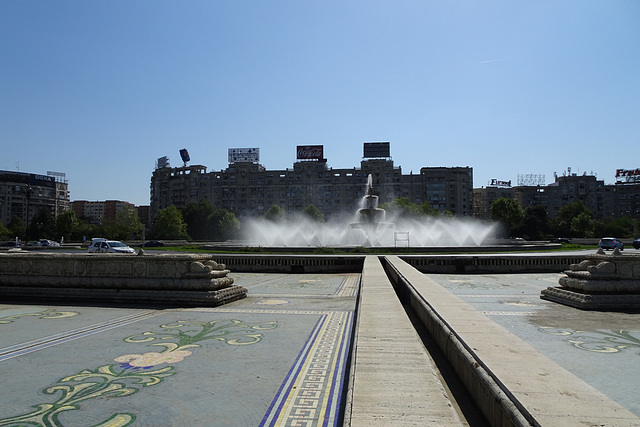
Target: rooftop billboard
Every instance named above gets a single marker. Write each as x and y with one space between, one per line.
244 155
310 152
376 149
628 175
162 162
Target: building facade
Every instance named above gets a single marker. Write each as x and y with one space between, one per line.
23 195
249 189
605 201
485 196
96 212
626 200
568 189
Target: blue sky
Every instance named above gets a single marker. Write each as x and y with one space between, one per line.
100 90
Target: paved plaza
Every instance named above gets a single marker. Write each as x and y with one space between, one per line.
278 357
601 348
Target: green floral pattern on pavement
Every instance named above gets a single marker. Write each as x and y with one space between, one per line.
45 314
134 372
601 341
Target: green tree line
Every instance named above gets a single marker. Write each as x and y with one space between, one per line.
574 219
68 226
202 221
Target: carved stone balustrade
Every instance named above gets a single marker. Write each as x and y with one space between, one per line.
184 279
600 282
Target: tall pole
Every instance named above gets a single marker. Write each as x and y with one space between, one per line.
29 190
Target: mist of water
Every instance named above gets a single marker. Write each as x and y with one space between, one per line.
367 227
303 232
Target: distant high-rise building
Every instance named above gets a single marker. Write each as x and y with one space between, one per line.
605 201
248 188
23 195
567 189
97 212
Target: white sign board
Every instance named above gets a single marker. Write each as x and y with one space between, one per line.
244 155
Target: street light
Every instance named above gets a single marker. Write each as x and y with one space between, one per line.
29 191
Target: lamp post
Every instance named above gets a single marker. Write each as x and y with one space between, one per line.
28 195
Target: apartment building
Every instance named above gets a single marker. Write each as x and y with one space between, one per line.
96 212
23 195
247 188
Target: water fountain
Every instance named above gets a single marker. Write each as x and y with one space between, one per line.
370 226
371 219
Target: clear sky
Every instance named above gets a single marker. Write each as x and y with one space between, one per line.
101 89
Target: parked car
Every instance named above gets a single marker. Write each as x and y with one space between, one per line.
109 246
610 243
561 240
152 244
44 242
636 243
11 244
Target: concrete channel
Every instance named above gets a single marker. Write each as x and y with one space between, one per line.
511 382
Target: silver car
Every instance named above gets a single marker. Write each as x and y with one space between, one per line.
110 246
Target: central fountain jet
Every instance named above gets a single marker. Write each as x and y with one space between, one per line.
371 219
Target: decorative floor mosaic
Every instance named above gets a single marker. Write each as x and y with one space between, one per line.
265 360
599 347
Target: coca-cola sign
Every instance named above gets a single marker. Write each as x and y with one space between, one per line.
308 152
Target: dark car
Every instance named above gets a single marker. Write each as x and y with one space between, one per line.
11 244
152 244
636 243
610 243
561 240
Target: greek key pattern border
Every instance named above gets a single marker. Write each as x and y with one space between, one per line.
310 394
349 286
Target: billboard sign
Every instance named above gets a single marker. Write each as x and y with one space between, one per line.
498 183
376 149
244 155
628 175
162 162
28 178
184 154
310 152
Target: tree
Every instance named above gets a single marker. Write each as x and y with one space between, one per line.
42 226
127 223
313 213
618 227
4 232
205 222
508 212
228 225
67 224
199 219
170 225
427 210
535 224
17 228
582 225
403 208
566 214
275 214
